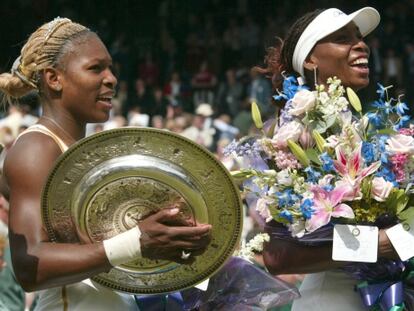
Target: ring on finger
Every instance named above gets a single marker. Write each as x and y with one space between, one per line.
185 255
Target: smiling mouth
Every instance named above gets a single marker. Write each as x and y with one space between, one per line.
104 99
361 63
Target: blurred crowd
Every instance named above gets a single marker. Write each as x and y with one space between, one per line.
185 66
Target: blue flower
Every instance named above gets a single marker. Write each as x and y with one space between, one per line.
375 119
400 108
287 198
327 162
382 150
368 152
381 90
280 96
402 122
313 176
286 215
387 174
383 106
290 88
307 208
328 188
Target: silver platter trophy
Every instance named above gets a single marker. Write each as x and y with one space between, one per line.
105 183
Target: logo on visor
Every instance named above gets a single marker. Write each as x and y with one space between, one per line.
337 13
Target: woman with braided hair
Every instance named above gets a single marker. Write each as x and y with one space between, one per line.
321 44
70 68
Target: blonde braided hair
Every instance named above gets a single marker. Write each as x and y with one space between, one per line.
43 49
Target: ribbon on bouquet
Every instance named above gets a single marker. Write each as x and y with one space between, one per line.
387 296
171 302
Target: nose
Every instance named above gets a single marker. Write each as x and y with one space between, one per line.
360 45
109 79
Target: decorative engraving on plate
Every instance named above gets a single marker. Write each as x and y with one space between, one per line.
113 206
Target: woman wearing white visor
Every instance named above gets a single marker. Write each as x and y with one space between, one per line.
322 44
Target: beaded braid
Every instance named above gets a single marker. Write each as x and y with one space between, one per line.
43 49
278 59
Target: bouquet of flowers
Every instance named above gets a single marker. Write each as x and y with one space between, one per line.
318 163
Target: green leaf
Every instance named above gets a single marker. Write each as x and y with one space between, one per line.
407 214
354 99
387 132
298 152
257 117
330 121
271 130
313 155
320 141
402 200
320 126
397 201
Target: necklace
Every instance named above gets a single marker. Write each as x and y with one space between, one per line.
68 136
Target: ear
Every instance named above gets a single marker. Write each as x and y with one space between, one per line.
53 79
310 63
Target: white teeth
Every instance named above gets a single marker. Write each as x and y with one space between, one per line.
360 61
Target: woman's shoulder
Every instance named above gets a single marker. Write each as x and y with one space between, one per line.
31 152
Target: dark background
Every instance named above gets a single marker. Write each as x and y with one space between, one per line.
134 29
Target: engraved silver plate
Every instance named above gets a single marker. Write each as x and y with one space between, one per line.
106 182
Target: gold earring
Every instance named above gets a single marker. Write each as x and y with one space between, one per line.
58 88
315 74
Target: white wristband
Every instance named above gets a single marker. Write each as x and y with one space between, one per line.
123 247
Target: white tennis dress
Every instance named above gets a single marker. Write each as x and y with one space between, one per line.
85 295
328 291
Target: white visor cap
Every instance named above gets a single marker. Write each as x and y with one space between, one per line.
327 22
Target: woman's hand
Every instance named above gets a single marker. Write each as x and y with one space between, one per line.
166 236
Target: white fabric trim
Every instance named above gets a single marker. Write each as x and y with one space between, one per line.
327 22
123 247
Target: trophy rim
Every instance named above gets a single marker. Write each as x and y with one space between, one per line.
105 279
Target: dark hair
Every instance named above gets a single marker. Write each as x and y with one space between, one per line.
279 57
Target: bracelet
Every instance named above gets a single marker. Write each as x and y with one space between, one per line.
123 247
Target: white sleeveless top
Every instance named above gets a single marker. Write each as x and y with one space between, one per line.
328 291
82 296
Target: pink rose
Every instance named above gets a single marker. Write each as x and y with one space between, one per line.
302 102
400 144
381 189
291 130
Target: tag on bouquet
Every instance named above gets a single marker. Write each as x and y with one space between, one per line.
402 238
355 243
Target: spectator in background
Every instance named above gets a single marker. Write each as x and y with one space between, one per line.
229 94
392 70
141 98
157 122
173 89
158 103
260 91
409 66
120 101
137 118
232 44
12 295
375 60
250 39
197 133
243 120
203 83
168 53
13 120
149 71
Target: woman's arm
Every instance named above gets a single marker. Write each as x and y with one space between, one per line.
41 264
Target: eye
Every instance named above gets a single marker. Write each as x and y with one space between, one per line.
95 68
